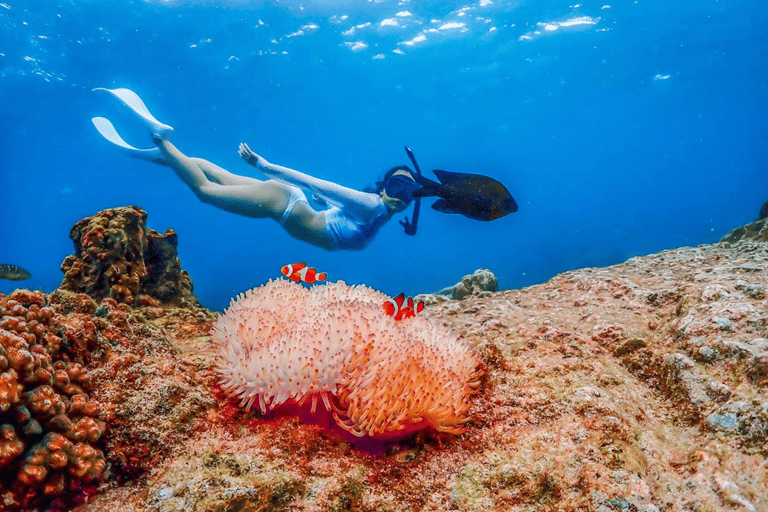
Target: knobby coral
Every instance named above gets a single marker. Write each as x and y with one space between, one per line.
47 423
118 256
285 347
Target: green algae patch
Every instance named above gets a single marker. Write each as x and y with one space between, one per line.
348 493
226 482
469 490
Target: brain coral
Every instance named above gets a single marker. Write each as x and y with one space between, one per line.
288 348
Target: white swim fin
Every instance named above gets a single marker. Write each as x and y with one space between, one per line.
107 130
131 100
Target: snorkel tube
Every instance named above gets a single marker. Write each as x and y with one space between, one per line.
410 227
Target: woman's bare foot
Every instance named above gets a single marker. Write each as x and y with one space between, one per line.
168 149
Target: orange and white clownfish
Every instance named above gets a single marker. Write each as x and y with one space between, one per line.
410 309
301 272
400 308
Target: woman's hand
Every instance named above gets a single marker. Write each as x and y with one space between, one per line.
248 155
319 200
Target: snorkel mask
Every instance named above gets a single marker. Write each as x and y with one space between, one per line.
399 186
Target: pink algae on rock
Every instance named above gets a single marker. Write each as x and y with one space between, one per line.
331 350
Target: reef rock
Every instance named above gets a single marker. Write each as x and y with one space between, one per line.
757 230
117 256
637 387
481 283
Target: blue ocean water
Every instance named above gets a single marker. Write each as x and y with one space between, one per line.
621 129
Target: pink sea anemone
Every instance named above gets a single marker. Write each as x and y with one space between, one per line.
330 350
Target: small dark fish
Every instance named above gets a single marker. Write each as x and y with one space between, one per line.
13 273
474 196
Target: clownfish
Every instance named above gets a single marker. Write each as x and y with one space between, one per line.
400 308
301 272
410 309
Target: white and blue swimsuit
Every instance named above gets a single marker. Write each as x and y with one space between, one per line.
353 218
347 233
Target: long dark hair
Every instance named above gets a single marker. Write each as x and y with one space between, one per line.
377 187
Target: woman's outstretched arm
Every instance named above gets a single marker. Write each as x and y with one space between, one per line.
361 205
246 196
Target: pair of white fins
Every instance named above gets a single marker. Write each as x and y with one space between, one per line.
131 100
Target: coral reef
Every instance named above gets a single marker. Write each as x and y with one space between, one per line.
637 387
92 393
117 256
154 382
78 407
283 345
634 387
150 393
48 425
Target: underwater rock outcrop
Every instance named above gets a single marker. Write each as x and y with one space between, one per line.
117 256
480 283
757 230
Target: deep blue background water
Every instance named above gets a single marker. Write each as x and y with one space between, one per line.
620 129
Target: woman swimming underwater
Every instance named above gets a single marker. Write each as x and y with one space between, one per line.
350 222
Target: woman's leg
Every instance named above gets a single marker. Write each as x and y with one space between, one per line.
212 184
222 176
252 198
246 196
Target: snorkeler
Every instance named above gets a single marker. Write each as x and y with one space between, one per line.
350 222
